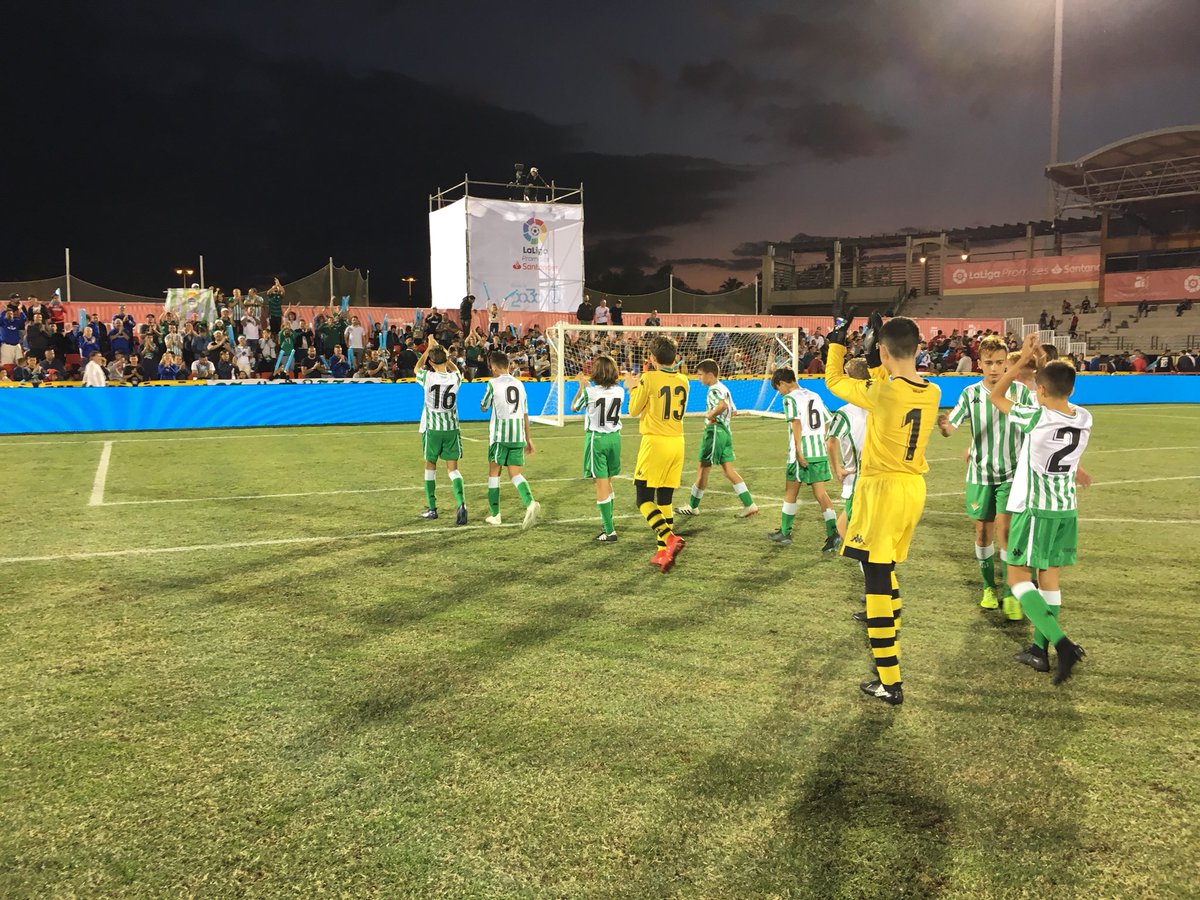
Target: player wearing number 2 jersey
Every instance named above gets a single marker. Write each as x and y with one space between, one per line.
508 438
660 397
807 421
440 436
889 495
716 447
1044 531
601 403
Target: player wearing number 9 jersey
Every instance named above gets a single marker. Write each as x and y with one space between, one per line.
508 438
889 495
440 437
600 401
659 398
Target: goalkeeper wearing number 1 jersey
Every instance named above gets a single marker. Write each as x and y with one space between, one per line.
890 493
659 398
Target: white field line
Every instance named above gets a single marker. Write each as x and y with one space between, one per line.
1097 484
307 539
1099 520
97 498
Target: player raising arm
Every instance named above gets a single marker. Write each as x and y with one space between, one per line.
1044 533
508 438
659 398
847 431
440 435
889 494
716 447
601 402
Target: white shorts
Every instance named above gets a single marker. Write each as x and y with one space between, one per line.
10 353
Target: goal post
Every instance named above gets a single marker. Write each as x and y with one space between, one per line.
746 356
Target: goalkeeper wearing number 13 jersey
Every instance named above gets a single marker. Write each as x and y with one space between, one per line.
660 398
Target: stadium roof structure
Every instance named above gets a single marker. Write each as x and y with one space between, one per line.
979 233
1157 169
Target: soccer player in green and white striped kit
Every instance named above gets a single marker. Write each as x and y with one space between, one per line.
716 447
601 402
807 420
991 462
508 438
440 436
1044 536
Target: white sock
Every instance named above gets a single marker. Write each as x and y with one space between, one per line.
697 493
431 474
1052 598
1004 556
518 480
789 508
456 475
493 482
985 552
828 514
1022 588
740 488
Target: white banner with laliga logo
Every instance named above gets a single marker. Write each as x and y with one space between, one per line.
522 256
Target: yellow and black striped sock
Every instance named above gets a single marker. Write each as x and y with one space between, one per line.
656 520
668 512
897 605
881 623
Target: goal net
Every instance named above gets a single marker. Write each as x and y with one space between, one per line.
746 356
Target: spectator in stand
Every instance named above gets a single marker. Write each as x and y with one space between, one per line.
203 369
966 365
268 353
618 312
585 312
243 356
218 345
1106 318
1143 309
274 305
118 341
123 321
303 339
250 332
1186 364
24 371
493 319
374 367
1052 325
356 337
93 374
406 361
1074 329
199 341
287 343
173 342
465 311
290 321
12 331
1066 307
602 315
432 323
1165 363
310 365
116 368
338 366
816 365
224 366
37 336
51 365
653 320
133 370
87 343
1086 305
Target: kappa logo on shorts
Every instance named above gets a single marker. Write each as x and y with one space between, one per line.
857 539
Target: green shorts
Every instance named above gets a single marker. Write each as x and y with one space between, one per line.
602 454
441 445
507 454
1041 540
716 447
817 471
985 501
849 508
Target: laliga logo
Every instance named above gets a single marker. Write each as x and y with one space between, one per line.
534 231
1057 270
960 276
1191 284
1140 282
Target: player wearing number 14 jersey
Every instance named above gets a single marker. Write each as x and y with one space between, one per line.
889 495
508 438
660 397
440 436
601 402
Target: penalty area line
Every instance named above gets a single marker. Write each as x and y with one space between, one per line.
97 498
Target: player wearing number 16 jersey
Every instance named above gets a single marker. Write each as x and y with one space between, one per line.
508 438
660 397
440 436
601 402
1044 532
889 495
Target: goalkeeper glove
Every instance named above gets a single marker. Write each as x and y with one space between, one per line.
842 317
871 340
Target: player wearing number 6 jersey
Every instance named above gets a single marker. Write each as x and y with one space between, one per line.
716 447
807 420
508 438
1044 532
889 494
601 402
660 397
440 436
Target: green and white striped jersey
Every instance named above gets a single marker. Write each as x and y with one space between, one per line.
1049 458
807 408
849 426
717 393
603 406
995 442
505 397
440 412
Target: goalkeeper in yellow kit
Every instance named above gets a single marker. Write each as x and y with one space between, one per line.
659 398
889 495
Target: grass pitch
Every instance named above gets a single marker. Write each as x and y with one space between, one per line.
250 670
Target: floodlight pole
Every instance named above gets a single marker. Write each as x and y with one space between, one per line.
68 260
1055 98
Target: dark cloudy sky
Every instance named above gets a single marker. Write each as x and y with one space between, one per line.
270 134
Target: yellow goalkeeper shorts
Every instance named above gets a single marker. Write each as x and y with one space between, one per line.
659 461
886 511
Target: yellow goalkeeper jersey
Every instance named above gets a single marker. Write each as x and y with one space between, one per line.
902 416
660 400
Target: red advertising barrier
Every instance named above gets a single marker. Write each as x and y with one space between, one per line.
1078 270
1160 286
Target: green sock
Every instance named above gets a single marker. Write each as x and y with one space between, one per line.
460 492
1039 639
430 493
695 498
494 498
787 518
987 569
830 518
1004 572
523 490
1043 616
743 493
606 514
